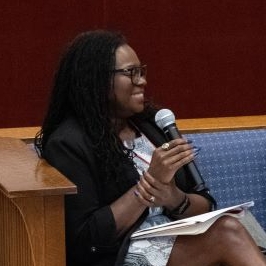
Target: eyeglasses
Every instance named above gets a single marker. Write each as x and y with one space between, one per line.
135 73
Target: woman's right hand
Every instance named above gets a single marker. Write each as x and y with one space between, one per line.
165 163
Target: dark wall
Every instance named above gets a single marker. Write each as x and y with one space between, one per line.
205 58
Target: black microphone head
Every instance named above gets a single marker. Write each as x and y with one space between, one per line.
164 118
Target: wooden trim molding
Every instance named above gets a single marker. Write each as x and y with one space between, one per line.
185 126
221 123
24 133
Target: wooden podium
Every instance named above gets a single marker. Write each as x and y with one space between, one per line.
31 207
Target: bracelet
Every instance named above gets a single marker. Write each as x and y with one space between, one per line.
180 209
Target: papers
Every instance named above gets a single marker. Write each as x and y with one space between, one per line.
193 225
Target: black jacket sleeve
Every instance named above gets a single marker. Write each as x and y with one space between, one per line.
90 225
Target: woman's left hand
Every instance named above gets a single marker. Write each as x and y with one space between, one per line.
152 192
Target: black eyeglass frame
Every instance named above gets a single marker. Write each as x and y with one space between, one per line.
129 72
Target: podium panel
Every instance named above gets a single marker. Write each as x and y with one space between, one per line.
31 208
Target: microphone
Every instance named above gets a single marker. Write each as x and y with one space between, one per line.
165 120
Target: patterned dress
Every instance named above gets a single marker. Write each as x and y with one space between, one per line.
155 250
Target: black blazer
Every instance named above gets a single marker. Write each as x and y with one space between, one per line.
91 237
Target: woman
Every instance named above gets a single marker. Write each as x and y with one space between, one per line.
100 133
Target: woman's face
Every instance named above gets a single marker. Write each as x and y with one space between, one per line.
127 98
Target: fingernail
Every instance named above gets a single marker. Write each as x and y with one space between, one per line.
136 193
189 141
195 154
196 149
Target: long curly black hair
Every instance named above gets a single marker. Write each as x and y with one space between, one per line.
82 85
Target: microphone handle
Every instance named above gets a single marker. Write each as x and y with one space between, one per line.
172 132
193 171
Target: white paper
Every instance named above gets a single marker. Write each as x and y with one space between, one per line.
193 225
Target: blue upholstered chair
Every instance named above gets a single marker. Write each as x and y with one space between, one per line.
233 164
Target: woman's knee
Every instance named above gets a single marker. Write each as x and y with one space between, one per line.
230 229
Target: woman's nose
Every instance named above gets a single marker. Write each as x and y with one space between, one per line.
142 81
